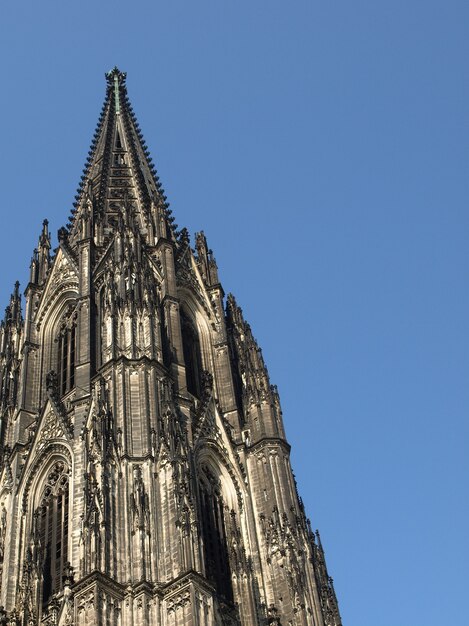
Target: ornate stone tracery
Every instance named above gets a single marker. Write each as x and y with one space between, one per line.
145 474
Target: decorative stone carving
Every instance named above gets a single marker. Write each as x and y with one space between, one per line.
172 470
139 502
3 529
51 429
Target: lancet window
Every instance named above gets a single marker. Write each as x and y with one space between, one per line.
51 521
192 355
66 356
212 507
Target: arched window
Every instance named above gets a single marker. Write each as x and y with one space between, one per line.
66 356
217 566
51 520
192 355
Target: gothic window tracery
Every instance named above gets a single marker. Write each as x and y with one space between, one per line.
66 355
51 530
212 507
192 355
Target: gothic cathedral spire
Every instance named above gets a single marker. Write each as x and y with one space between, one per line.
145 476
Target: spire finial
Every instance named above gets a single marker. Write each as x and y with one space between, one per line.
116 79
115 73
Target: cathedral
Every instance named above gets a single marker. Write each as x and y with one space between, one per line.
145 476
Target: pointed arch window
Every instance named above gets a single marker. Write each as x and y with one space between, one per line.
192 355
67 356
119 145
52 524
217 566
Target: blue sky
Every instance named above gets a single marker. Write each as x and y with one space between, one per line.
323 146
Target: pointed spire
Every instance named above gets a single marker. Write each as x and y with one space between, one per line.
10 342
15 305
44 237
40 261
34 267
13 315
205 260
43 252
325 585
119 175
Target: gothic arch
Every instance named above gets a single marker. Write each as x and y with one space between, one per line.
192 310
217 501
56 308
192 354
50 528
209 452
46 497
39 468
56 323
51 303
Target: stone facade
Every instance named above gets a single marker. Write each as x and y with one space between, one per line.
145 475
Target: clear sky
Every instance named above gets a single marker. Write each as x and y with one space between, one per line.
323 146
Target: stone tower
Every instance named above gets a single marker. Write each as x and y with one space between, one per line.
145 475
